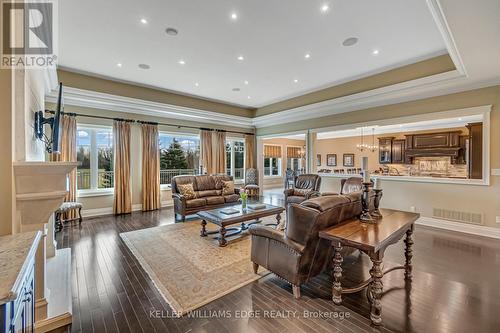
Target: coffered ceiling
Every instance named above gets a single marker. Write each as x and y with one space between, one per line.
249 53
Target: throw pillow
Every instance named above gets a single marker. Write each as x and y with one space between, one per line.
187 191
301 192
227 187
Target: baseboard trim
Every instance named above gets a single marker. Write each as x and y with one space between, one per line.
478 230
54 323
86 213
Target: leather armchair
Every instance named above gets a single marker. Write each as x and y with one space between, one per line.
298 254
305 187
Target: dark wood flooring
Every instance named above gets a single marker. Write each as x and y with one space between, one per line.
456 288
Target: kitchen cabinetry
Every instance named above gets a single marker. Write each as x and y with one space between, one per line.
385 150
391 151
475 150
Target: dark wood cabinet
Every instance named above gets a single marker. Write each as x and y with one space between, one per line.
385 150
475 150
434 145
391 151
398 151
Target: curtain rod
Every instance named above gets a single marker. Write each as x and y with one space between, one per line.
148 122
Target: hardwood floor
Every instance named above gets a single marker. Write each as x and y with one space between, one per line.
455 288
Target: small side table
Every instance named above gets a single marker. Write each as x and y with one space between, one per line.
371 239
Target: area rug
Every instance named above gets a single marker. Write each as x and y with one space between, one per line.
188 270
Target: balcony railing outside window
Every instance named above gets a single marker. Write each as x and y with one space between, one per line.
105 179
167 175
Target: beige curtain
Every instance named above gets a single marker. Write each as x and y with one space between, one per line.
219 152
68 154
123 193
272 151
206 150
150 167
249 151
293 152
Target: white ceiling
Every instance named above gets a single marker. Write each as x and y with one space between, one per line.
272 35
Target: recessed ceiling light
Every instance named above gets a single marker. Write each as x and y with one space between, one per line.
144 66
144 21
307 56
246 82
295 80
325 8
119 64
197 84
459 119
350 41
375 52
248 97
236 89
171 31
234 16
241 58
182 62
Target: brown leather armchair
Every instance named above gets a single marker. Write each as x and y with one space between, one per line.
298 254
305 186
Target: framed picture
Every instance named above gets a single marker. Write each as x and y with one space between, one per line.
349 160
331 160
318 160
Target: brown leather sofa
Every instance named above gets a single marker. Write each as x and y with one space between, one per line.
208 189
308 183
298 254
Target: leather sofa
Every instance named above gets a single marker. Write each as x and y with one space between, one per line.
208 189
308 184
297 253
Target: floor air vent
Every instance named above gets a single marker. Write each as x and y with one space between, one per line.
464 217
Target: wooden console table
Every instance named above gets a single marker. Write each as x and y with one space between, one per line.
371 239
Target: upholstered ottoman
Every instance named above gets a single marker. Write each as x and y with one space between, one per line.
65 208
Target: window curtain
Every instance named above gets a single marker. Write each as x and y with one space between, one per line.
272 151
123 193
250 151
219 152
68 154
293 152
206 151
150 167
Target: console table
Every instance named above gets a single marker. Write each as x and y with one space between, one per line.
372 239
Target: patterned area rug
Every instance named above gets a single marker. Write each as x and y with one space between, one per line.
188 270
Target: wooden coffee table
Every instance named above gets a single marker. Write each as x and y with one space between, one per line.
371 239
244 217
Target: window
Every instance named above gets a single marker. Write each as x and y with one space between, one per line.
294 164
179 155
272 160
95 153
235 158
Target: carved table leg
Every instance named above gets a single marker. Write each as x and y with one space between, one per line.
376 288
278 219
222 240
337 274
409 253
203 232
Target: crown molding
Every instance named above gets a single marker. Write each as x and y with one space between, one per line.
103 101
443 27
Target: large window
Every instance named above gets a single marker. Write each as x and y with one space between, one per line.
95 153
235 158
179 155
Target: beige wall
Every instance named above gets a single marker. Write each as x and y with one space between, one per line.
7 148
424 196
95 83
437 65
279 181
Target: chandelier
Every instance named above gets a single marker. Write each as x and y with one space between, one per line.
362 146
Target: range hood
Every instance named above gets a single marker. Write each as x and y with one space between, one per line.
444 144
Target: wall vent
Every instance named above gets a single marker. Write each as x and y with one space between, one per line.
464 217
